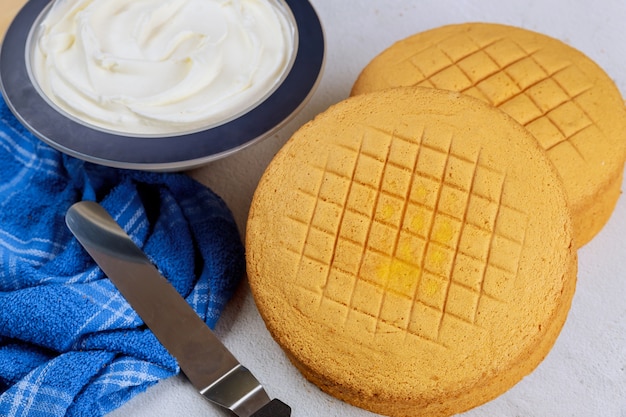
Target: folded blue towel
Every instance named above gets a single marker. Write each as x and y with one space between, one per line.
70 345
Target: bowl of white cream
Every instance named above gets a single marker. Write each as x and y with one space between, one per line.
159 84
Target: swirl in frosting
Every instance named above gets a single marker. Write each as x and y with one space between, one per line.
160 66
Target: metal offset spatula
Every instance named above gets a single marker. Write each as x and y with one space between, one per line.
205 361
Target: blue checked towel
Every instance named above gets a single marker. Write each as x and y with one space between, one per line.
70 345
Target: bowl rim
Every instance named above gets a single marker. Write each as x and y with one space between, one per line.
166 153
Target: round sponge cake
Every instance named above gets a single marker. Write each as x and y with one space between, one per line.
565 100
411 251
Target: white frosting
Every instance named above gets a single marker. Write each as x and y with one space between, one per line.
160 66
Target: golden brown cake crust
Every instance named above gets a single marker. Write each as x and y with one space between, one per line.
411 251
561 96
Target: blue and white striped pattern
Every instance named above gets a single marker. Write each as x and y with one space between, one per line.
70 345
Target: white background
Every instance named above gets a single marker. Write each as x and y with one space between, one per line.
585 373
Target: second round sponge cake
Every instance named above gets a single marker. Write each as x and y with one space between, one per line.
562 97
411 251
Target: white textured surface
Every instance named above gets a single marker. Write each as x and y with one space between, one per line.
585 373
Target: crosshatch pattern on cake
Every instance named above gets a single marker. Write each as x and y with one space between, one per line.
538 88
403 233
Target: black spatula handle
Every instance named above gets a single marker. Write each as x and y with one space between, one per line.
275 408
